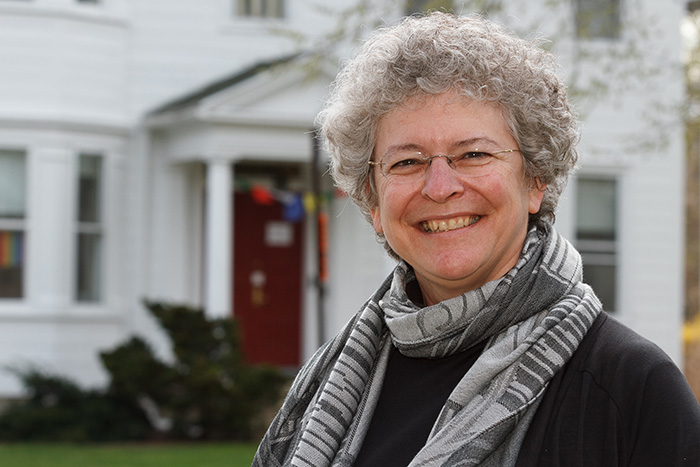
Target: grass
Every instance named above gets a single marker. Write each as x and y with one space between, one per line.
127 455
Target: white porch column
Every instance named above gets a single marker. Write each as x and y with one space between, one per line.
51 229
218 253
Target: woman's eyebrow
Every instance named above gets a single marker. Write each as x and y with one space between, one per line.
401 147
475 141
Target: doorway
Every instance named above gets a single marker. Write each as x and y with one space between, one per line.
267 280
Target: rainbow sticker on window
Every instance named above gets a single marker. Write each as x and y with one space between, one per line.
11 249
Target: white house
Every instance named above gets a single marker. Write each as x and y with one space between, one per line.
163 150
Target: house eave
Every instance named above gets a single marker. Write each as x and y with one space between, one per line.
239 119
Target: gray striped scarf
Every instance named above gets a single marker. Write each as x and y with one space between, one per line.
532 319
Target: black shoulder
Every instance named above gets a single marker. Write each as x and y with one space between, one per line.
620 400
612 353
656 410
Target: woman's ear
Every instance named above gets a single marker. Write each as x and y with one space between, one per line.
536 193
376 219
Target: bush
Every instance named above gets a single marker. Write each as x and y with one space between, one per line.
207 392
58 410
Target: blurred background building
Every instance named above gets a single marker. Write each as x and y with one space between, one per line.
163 150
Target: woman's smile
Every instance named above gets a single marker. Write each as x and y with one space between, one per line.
445 225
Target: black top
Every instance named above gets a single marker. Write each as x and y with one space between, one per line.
619 401
412 395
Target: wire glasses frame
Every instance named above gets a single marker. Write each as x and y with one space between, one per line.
409 167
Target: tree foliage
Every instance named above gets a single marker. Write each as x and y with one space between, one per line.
691 28
606 69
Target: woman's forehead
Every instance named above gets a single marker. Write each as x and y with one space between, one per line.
446 119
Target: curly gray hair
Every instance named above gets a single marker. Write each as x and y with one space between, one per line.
441 52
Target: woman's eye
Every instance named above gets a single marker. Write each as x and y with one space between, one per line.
407 163
473 158
475 155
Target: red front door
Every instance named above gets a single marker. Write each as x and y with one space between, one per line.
267 281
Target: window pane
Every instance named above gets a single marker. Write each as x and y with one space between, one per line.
90 188
89 228
243 7
596 231
602 279
276 8
89 267
596 211
598 19
260 8
11 264
12 184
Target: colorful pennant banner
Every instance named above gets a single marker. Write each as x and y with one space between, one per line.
296 205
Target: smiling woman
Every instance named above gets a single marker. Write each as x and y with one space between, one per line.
484 347
491 204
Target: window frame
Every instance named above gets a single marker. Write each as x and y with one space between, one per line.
275 10
93 228
19 224
601 252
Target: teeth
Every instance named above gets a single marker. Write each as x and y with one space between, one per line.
451 224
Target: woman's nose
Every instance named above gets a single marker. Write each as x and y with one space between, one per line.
441 181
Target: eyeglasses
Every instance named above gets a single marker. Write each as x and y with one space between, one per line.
410 166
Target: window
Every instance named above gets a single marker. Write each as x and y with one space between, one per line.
596 233
597 19
13 180
89 229
260 8
419 6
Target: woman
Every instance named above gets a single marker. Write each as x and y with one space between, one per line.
484 347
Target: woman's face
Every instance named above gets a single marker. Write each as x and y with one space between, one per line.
458 231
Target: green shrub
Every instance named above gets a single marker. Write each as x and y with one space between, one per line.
207 392
56 409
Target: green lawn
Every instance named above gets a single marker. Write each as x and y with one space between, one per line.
126 455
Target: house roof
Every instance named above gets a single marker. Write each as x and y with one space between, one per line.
224 83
